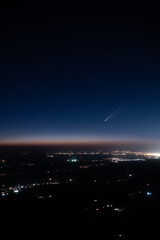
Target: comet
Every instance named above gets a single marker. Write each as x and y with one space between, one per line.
111 116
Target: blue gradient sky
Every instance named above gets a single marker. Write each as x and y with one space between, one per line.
61 78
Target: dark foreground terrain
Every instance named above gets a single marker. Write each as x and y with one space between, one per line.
97 191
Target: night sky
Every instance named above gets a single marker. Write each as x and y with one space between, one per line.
66 67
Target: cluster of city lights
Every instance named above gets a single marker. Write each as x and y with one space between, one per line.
153 154
5 191
116 156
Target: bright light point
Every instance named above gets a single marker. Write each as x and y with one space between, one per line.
116 209
16 191
149 193
119 209
74 160
130 175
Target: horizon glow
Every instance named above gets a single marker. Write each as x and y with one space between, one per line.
147 144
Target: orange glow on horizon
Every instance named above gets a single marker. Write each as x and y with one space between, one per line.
74 142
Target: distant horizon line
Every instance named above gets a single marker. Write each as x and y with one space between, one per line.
83 141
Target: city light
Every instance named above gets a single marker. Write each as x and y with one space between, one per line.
16 191
149 193
119 209
153 154
78 173
72 160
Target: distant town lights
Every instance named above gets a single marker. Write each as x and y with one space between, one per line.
153 154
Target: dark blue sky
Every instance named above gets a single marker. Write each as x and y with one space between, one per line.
65 68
